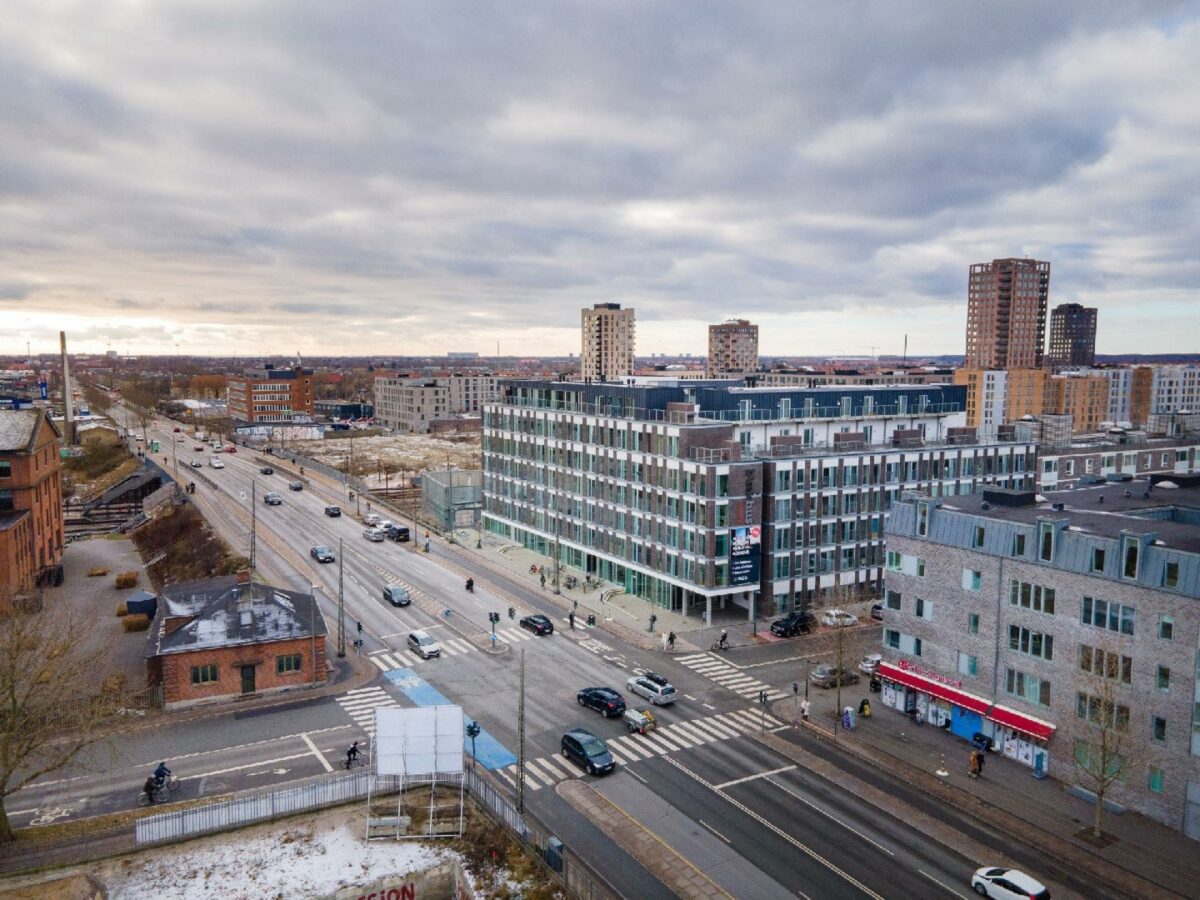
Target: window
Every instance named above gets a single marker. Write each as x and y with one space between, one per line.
1103 614
972 623
1131 548
1159 729
1098 559
1171 575
977 536
204 674
972 580
5 469
1166 628
1162 679
891 638
1100 711
924 609
1031 643
893 599
1027 687
1106 663
1156 781
288 663
1031 596
968 665
1018 548
1047 532
922 518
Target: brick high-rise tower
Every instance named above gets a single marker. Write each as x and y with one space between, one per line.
732 348
608 333
1006 314
1072 335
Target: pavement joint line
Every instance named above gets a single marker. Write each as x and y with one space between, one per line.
317 753
766 775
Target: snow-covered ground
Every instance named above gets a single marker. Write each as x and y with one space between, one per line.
311 856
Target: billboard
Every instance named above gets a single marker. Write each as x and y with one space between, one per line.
744 553
421 742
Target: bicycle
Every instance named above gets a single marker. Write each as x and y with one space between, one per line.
162 792
719 645
349 763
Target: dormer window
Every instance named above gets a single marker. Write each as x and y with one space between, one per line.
246 617
1046 552
1130 552
922 518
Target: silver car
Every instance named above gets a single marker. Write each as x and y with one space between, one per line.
374 534
660 694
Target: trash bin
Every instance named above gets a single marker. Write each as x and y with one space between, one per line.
554 854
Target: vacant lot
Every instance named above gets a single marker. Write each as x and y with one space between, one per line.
104 462
399 456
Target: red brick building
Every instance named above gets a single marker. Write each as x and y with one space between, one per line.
31 502
227 637
270 395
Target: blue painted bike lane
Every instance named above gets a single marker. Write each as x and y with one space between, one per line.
489 752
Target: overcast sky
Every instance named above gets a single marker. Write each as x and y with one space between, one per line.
398 177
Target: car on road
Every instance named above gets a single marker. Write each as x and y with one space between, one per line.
216 463
869 664
322 554
295 485
398 533
423 644
177 429
837 618
657 693
604 700
231 449
1007 884
396 594
386 525
877 612
266 470
272 499
333 511
374 535
792 625
826 675
371 519
587 750
198 448
538 624
196 464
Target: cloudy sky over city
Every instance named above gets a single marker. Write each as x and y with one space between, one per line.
410 178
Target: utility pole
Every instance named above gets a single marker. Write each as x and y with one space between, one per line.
312 595
557 565
521 737
253 522
341 640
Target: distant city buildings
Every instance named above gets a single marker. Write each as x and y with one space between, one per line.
1072 335
608 341
732 348
1006 314
418 405
270 394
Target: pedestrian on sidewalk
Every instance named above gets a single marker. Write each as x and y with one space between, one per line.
543 581
974 763
571 619
671 641
804 707
982 759
665 639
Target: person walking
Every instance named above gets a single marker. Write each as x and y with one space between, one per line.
571 619
982 758
974 763
804 708
543 581
671 641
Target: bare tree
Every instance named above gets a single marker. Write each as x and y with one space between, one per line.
54 702
1107 753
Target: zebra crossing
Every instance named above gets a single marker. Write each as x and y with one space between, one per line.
360 704
546 771
730 677
386 660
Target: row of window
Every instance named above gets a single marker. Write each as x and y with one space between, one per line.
284 665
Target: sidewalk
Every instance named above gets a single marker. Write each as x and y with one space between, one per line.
1039 812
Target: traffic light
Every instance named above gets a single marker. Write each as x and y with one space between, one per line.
359 624
762 697
512 612
494 617
473 729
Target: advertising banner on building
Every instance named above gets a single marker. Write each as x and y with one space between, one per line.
744 547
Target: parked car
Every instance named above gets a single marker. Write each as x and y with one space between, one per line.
398 533
385 524
371 519
231 449
295 485
196 464
374 534
826 675
177 428
396 594
869 664
321 554
877 612
423 644
266 470
657 693
272 499
837 618
538 624
1008 884
333 511
584 748
792 624
198 448
216 463
604 700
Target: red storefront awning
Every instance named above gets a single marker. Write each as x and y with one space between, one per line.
936 688
1002 715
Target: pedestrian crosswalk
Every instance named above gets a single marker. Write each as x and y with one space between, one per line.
386 660
549 770
715 669
360 704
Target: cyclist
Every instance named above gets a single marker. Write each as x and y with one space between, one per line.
161 774
150 787
723 643
351 754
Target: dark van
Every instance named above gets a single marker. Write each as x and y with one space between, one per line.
399 533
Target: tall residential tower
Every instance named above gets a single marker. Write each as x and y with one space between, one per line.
607 342
1006 314
1072 335
732 348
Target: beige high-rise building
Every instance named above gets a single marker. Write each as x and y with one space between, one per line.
1085 397
1006 314
608 333
732 348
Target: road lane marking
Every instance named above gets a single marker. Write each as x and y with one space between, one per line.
776 829
714 831
939 884
767 775
317 753
383 667
635 775
829 815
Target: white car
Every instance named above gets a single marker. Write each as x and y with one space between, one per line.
385 525
371 519
1007 884
216 463
374 534
838 618
658 691
870 663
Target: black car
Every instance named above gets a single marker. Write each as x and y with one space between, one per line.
266 470
321 554
333 511
538 624
604 700
295 485
877 611
398 533
587 750
792 624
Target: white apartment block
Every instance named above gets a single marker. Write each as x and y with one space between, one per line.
412 404
608 338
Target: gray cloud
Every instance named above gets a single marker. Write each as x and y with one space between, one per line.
192 171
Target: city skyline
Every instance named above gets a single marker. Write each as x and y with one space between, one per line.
373 180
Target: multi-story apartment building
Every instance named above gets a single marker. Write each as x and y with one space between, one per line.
1043 624
31 502
812 378
608 333
694 494
1083 397
732 348
1006 314
1072 335
414 404
1167 389
269 394
1119 458
998 396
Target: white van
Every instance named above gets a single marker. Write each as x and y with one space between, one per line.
216 463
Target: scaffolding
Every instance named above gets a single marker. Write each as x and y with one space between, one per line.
453 497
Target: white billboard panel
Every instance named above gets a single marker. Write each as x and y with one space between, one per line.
419 742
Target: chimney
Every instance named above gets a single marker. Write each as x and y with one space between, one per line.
68 405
